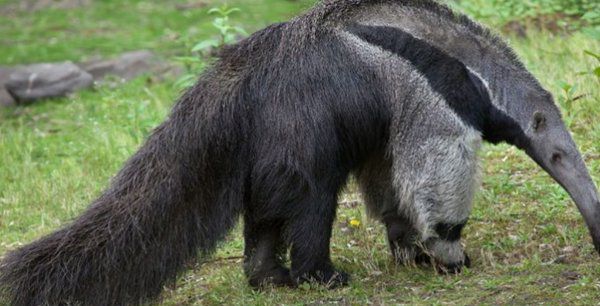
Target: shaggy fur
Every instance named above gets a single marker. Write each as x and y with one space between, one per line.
272 131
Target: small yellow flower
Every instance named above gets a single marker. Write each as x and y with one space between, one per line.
354 223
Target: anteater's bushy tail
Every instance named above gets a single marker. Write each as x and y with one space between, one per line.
176 197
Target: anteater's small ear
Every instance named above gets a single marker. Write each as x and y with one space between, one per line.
480 84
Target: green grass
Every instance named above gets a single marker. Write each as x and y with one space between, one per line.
112 26
56 156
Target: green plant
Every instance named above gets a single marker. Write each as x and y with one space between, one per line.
569 96
596 70
566 100
581 15
203 51
227 31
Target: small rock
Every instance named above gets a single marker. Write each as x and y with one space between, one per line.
376 273
5 98
568 250
350 203
561 259
571 275
47 80
127 66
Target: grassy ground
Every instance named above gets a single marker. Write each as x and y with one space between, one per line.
527 240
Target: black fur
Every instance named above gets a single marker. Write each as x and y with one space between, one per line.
449 232
302 145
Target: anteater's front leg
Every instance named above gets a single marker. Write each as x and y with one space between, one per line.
433 184
375 183
402 239
438 196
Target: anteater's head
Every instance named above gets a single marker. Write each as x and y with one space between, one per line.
525 115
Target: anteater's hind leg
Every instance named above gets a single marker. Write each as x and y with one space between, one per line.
264 254
305 207
309 234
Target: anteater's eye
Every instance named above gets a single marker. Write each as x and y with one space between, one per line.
539 121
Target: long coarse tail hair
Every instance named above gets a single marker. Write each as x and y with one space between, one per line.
175 198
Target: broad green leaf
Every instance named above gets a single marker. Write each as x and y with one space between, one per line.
231 11
592 54
241 31
229 38
214 10
205 44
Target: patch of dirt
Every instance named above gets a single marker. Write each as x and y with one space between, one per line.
36 5
571 275
564 280
557 23
191 5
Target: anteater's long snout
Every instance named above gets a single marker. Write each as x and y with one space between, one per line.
559 156
570 172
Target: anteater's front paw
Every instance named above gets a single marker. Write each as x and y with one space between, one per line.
405 255
453 267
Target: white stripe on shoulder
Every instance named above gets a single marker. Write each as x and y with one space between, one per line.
484 81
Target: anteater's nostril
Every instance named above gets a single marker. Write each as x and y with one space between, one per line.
556 157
